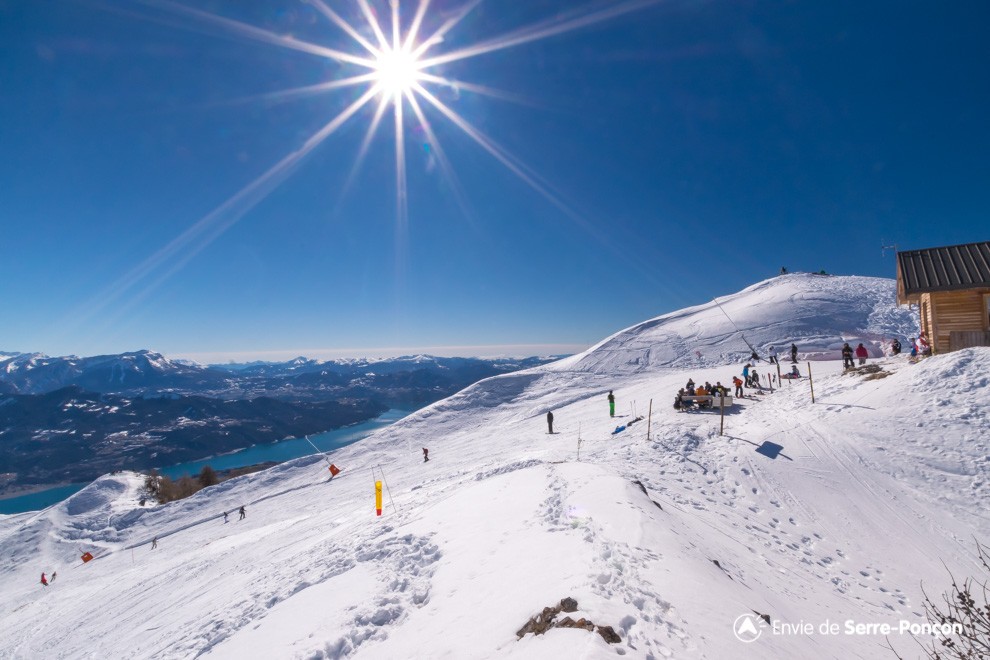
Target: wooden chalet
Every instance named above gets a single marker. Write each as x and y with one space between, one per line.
951 286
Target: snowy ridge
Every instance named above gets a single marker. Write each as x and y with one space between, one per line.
816 312
833 511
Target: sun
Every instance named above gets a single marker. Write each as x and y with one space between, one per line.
396 71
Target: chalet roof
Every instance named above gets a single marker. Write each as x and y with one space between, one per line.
943 269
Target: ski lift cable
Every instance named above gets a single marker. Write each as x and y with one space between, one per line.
715 300
320 451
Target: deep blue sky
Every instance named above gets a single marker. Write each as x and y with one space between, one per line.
701 145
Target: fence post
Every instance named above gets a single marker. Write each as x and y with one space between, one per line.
721 409
812 383
649 417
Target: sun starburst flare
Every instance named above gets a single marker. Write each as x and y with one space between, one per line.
398 70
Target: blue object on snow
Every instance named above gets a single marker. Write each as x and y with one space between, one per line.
619 429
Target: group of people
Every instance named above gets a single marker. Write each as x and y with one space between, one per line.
772 355
701 390
45 581
847 355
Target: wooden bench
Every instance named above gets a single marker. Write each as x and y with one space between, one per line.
706 400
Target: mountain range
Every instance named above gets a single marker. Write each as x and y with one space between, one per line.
71 419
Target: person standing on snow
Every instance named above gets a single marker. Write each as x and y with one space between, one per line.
225 516
426 454
794 353
895 346
773 356
154 543
739 386
847 357
611 404
746 375
862 353
243 513
550 423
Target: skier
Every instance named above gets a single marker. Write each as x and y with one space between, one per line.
225 517
44 580
54 575
243 513
773 356
550 423
426 454
862 353
154 543
611 404
794 353
847 357
739 386
895 346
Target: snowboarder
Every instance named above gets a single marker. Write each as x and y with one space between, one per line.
847 357
426 454
154 543
225 517
773 356
862 353
611 404
44 580
550 423
895 346
243 513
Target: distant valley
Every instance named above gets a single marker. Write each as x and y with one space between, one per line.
71 419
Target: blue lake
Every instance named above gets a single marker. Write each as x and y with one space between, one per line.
277 452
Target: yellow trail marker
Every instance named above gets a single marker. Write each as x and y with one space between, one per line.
378 497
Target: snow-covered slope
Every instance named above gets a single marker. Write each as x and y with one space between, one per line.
824 512
816 312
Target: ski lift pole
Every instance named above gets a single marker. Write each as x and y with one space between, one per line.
389 490
812 383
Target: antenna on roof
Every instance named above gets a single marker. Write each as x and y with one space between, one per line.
884 248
